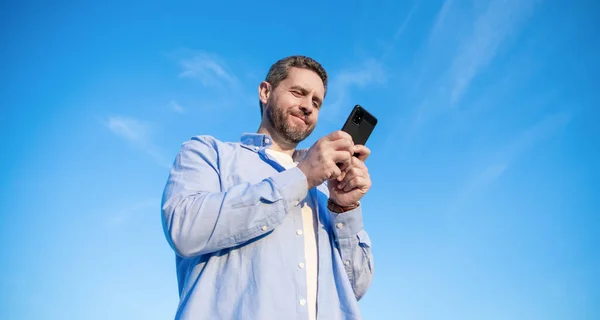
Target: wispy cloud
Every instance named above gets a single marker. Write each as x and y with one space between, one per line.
127 214
227 89
462 44
175 106
209 69
533 135
368 72
131 129
490 30
501 160
399 31
439 21
138 133
221 84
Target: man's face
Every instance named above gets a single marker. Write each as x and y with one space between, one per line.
293 107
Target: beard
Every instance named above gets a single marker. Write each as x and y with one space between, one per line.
279 121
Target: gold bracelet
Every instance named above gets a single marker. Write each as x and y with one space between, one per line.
334 207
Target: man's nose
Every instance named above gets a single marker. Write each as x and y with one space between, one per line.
306 106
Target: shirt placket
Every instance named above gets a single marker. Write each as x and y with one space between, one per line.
299 253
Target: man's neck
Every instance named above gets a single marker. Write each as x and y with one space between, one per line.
279 144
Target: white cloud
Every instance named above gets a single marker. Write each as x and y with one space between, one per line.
138 133
439 21
532 135
368 72
461 45
220 85
490 29
130 129
227 90
503 158
399 31
485 177
175 106
125 215
208 68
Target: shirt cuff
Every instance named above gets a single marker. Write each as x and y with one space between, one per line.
292 185
347 224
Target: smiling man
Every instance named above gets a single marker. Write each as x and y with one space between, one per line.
262 230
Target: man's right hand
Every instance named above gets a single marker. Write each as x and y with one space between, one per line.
321 162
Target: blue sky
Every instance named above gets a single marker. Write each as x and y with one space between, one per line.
485 163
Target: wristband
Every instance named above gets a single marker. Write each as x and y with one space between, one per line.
332 206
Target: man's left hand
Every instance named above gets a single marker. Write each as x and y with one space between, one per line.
354 183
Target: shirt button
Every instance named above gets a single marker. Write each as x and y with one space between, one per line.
299 232
302 302
347 262
339 225
264 228
301 265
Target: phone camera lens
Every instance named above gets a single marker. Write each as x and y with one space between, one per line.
357 118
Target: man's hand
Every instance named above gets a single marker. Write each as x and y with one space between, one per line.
321 162
351 185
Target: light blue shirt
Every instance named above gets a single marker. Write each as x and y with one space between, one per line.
230 212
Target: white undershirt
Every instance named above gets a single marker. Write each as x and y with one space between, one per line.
310 243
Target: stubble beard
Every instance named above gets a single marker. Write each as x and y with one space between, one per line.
278 119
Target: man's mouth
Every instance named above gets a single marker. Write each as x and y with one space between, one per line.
300 118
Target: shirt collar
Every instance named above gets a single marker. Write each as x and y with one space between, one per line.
255 141
258 141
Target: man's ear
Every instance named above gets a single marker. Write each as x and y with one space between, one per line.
264 92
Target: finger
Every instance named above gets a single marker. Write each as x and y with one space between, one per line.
357 163
351 174
361 151
342 176
343 157
342 144
357 166
343 166
358 182
339 135
335 172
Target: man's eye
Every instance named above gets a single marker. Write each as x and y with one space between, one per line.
297 93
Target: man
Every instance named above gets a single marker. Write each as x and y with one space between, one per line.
265 231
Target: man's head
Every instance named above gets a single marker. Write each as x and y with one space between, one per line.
291 96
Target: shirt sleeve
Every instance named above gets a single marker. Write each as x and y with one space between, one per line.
199 218
354 245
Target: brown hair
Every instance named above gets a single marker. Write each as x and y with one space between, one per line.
280 69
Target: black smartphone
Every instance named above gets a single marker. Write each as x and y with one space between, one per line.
360 125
